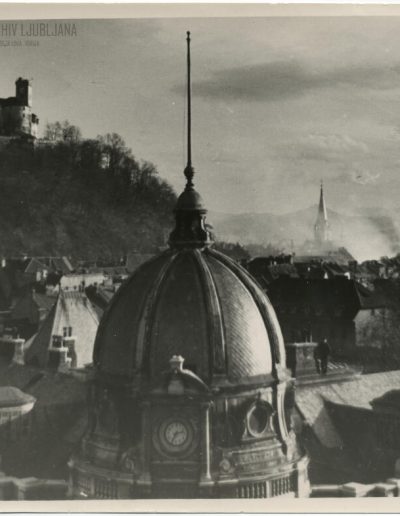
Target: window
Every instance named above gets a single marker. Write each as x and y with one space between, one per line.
67 331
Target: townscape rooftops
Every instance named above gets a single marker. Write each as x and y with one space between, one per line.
45 387
370 299
59 418
339 255
34 266
73 309
23 305
311 400
43 301
334 295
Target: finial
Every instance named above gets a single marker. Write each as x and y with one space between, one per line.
189 171
190 228
176 363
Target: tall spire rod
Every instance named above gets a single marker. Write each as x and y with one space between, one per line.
190 228
189 171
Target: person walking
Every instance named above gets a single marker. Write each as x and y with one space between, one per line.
321 355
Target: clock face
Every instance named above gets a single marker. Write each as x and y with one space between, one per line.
176 433
175 436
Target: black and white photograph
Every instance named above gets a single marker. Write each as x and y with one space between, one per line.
200 256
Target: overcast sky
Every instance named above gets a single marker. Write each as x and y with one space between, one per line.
278 103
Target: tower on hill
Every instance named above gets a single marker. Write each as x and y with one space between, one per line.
16 117
23 92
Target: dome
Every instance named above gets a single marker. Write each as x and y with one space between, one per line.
13 397
189 200
190 396
195 303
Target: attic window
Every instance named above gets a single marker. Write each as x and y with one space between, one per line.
67 331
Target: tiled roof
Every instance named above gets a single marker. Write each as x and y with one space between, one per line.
62 264
18 376
43 301
339 255
30 303
310 403
46 387
34 266
72 309
320 295
371 298
358 393
57 421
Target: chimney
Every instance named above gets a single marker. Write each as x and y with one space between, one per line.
56 341
58 358
19 351
69 343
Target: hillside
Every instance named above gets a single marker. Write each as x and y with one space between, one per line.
86 198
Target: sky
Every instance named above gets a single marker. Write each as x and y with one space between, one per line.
279 103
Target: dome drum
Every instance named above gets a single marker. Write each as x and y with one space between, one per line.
215 444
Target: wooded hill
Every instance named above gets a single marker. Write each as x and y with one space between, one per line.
91 199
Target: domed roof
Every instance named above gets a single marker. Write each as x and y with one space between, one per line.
196 303
190 199
13 397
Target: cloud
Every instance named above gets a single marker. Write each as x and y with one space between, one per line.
326 148
289 79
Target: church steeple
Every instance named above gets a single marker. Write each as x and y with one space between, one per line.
190 229
321 228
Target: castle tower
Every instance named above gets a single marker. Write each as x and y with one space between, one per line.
23 92
321 228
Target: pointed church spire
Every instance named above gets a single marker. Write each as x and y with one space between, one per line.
321 228
322 208
190 229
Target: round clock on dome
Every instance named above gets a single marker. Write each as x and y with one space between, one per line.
174 436
176 433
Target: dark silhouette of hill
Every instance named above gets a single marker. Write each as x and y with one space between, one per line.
87 198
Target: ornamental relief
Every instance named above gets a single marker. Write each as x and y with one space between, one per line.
104 418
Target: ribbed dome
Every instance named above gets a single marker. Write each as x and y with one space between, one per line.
195 303
13 397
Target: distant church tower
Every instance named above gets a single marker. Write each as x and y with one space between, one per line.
321 228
